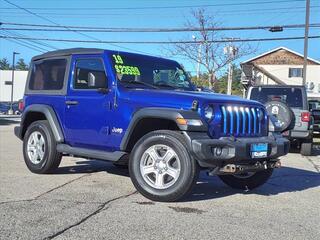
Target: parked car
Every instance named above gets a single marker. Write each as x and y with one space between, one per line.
5 107
289 106
314 108
114 106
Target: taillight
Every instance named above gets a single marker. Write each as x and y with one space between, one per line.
305 116
21 105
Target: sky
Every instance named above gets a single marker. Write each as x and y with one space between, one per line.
156 14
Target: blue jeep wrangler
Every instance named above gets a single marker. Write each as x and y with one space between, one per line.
143 111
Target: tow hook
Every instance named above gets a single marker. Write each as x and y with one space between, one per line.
277 164
237 168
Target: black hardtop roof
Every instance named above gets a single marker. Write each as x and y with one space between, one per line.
67 52
71 51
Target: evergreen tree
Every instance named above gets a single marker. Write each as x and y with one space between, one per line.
21 65
4 64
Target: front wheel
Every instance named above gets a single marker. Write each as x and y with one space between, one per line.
248 180
39 148
161 167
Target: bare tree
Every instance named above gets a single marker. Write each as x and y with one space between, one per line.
212 57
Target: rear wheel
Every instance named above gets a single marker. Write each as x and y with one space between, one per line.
39 148
306 148
246 181
161 167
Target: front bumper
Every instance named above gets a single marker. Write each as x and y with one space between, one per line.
233 150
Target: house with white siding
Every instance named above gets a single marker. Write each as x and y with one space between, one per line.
284 67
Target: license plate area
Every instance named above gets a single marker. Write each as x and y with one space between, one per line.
259 150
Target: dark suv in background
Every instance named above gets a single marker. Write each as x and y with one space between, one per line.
314 108
288 105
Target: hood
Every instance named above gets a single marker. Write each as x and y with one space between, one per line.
177 98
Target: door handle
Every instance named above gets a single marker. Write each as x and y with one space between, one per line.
71 102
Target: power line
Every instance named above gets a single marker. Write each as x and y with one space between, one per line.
162 42
43 18
151 14
26 41
58 25
21 43
50 28
162 7
48 46
159 15
30 13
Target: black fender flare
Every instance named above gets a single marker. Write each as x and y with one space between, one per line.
50 116
163 113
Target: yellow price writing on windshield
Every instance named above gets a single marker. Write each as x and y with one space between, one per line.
127 70
117 59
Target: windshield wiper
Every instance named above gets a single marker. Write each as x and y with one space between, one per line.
142 83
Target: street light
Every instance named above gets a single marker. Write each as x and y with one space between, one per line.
10 112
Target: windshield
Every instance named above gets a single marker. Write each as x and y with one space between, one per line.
291 96
149 71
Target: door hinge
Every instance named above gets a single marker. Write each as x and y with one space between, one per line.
106 130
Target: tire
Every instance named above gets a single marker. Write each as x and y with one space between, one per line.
244 183
47 159
306 148
179 164
281 113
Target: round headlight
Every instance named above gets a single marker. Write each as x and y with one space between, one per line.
208 112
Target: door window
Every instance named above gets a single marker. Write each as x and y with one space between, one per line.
90 74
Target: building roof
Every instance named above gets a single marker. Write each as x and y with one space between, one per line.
277 49
67 52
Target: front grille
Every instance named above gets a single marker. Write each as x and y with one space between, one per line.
243 121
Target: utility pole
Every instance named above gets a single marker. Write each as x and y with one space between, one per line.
306 35
12 81
231 51
198 57
230 77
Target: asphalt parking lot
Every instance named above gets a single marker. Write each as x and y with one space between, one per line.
95 200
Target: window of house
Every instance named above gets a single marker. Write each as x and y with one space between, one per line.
90 74
48 74
295 72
